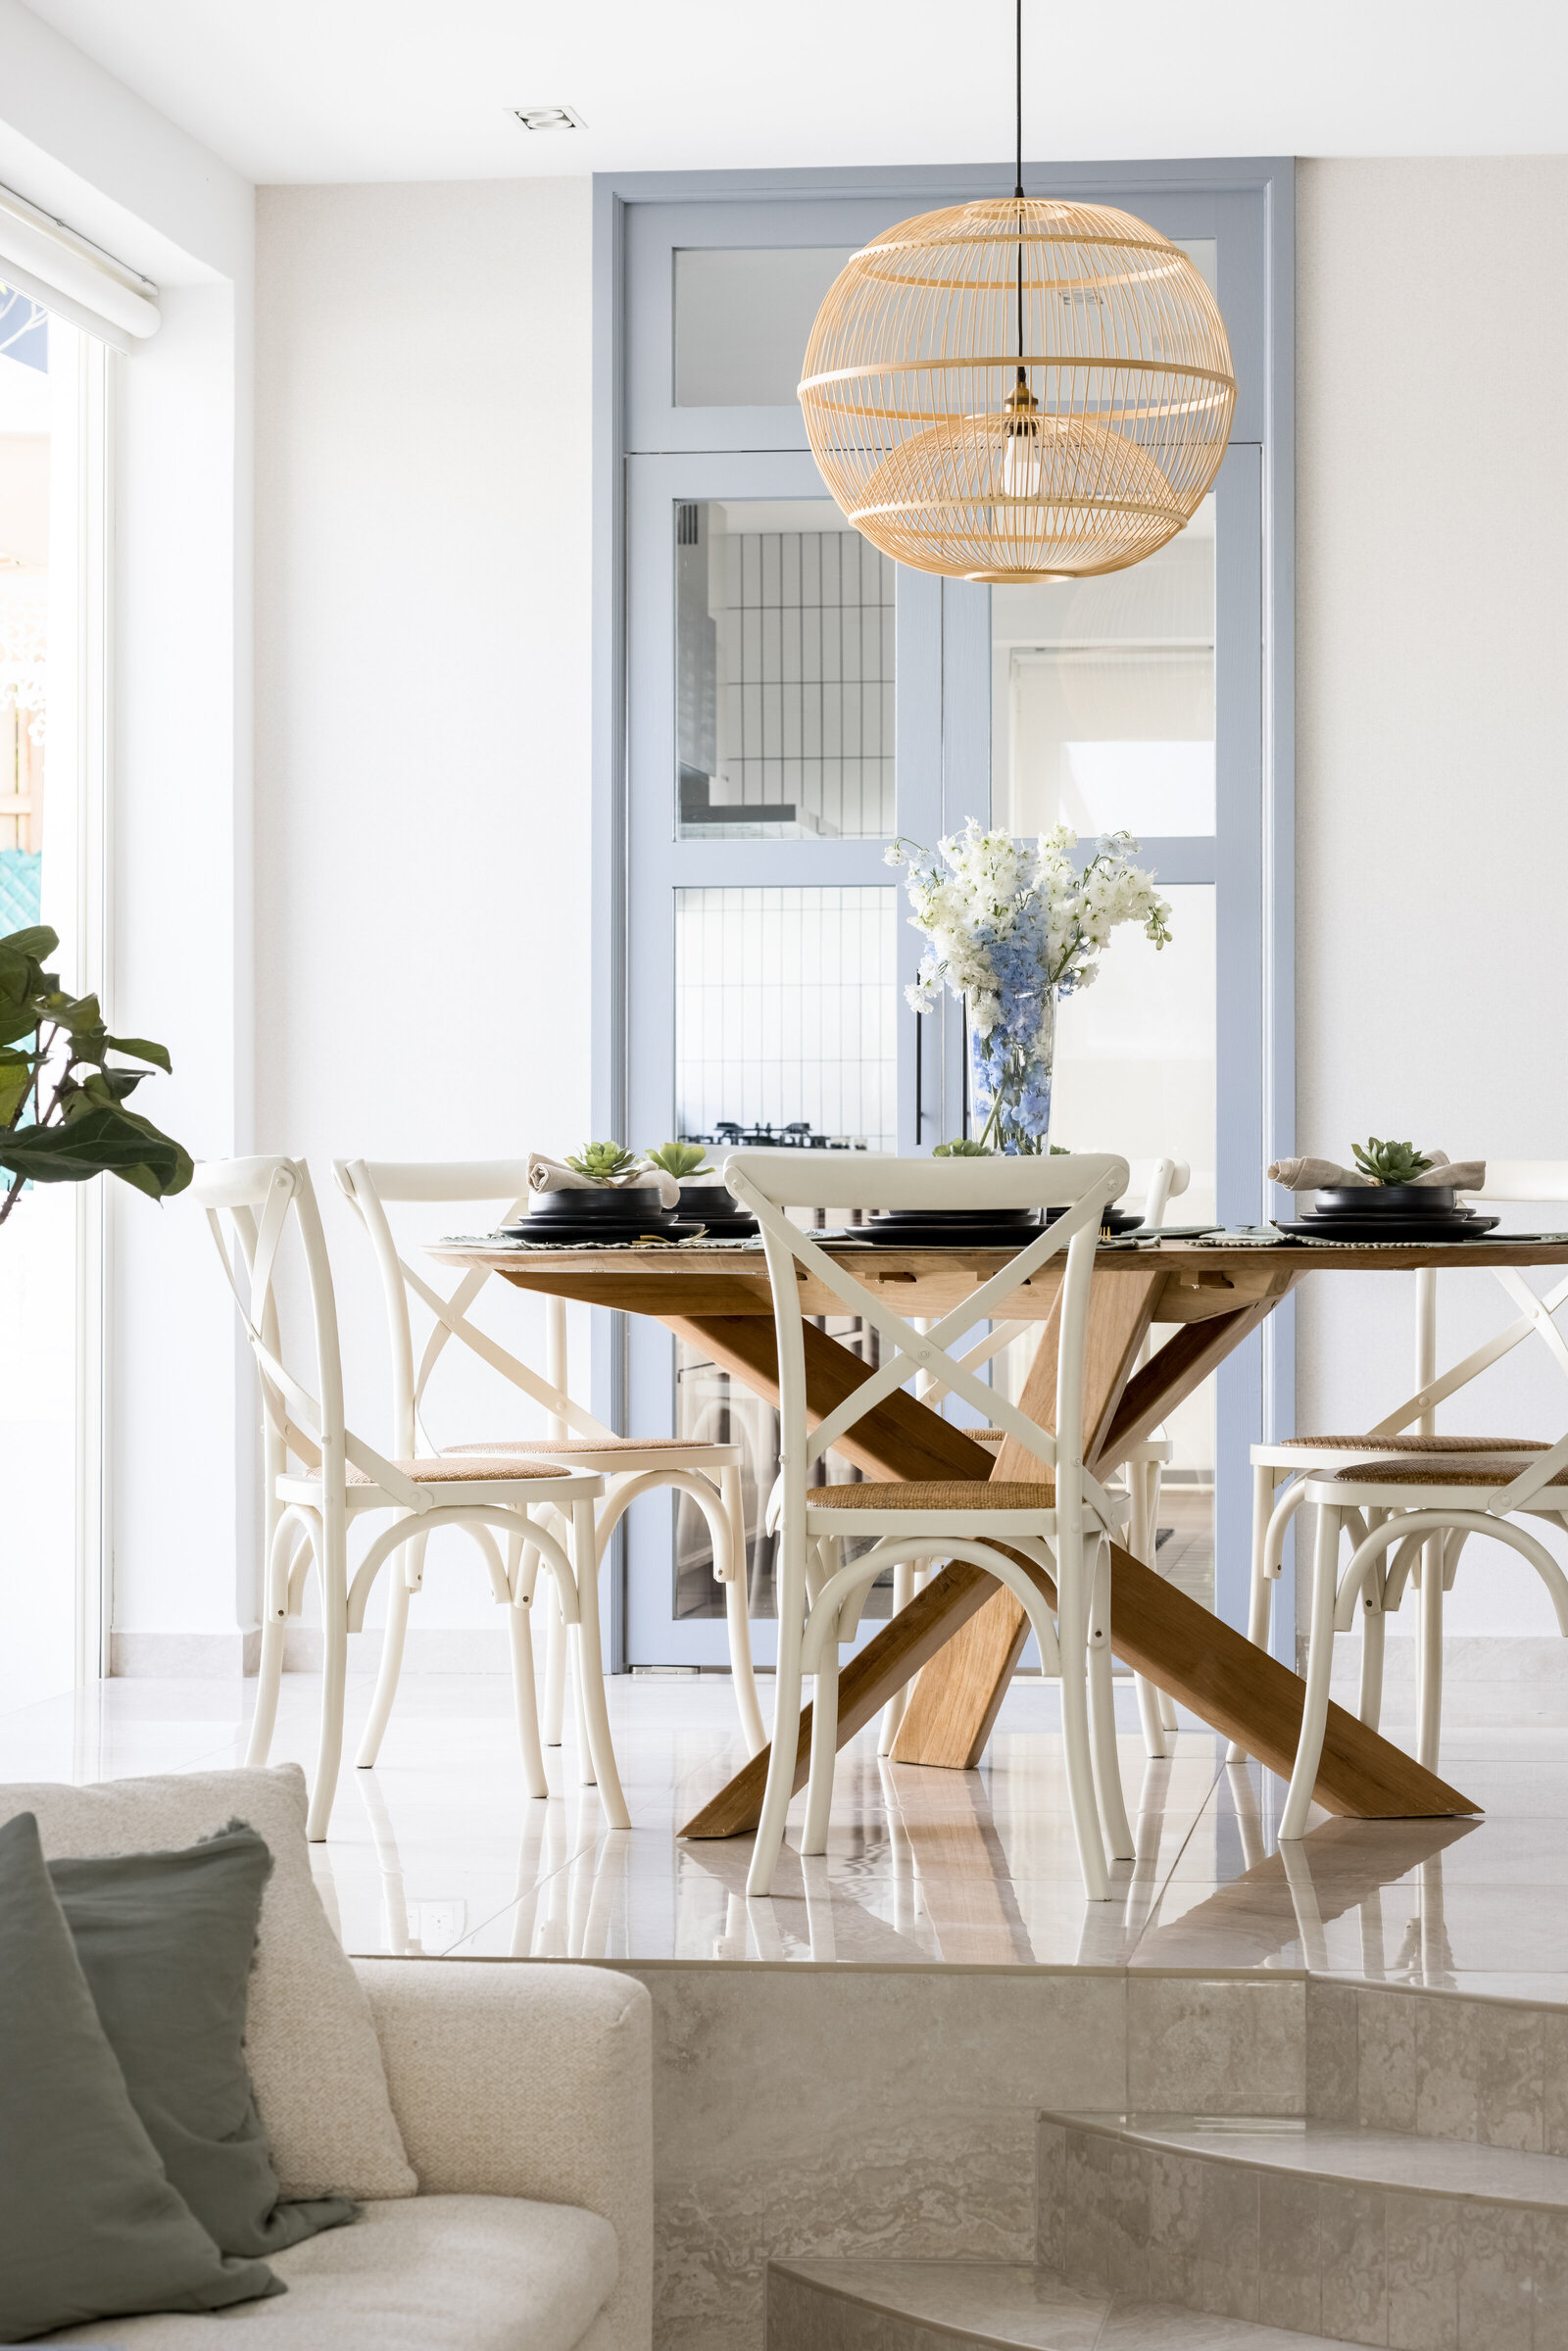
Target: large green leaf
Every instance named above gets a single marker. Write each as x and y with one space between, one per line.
103 1089
16 1076
103 1141
140 1049
34 945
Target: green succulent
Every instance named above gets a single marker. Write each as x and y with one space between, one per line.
677 1160
604 1163
1390 1162
967 1147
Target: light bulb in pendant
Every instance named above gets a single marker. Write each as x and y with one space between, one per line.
1020 442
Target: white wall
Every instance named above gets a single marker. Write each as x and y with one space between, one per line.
422 697
1431 830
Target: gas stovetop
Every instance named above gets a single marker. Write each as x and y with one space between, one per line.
799 1135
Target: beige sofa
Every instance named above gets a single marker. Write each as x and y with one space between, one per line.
521 2093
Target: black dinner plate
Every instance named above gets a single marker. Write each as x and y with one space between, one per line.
562 1233
1352 1228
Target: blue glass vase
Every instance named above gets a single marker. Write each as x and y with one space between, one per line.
1010 1073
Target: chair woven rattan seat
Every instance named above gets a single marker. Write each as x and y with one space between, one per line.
1421 1444
508 1446
445 1470
1418 1473
934 1494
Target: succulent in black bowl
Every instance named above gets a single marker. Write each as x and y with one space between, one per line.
607 1203
1403 1201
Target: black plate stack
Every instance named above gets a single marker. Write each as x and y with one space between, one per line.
953 1228
1391 1213
624 1213
716 1210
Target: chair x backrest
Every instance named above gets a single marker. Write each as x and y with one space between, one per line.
1081 1186
368 1185
1509 1181
261 1197
1161 1181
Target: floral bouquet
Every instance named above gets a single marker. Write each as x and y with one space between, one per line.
1011 926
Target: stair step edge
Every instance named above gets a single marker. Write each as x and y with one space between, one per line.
1345 2154
1019 2305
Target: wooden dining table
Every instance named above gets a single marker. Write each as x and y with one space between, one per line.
962 1635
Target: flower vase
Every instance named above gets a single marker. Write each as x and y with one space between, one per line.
1010 1074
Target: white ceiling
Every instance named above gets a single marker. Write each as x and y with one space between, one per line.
311 90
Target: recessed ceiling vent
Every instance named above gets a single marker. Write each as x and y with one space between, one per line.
549 118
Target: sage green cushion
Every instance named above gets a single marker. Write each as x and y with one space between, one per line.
167 1943
89 2224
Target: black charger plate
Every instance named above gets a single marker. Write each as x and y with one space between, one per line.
944 1232
1354 1229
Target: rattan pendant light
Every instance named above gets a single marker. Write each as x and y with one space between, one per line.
1020 388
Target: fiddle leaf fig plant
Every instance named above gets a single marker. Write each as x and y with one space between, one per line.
604 1163
1390 1162
62 1115
678 1159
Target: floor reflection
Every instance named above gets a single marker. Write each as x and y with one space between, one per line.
439 1850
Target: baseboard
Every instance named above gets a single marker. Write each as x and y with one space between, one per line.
185 1656
1488 1679
224 1656
428 1649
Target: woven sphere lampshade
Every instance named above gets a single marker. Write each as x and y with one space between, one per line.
1018 389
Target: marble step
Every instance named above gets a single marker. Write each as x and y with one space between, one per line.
983 2306
1333 2231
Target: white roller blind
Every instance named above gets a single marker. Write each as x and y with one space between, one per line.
43 257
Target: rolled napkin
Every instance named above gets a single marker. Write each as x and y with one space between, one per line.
551 1175
1324 1175
1316 1175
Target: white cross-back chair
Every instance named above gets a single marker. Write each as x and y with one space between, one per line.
1422 1512
1060 1526
1159 1181
320 1476
1284 1471
708 1473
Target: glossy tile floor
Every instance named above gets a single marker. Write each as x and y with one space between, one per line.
439 1850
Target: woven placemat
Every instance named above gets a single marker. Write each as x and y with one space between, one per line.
495 1243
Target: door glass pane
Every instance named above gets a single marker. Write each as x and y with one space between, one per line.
784 1032
743 319
783 673
784 1016
1103 697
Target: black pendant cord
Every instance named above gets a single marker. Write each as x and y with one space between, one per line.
1017 86
1017 189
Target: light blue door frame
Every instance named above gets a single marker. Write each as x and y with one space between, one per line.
651 454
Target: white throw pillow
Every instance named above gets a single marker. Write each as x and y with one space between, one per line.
310 2040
